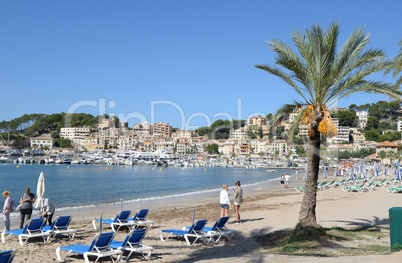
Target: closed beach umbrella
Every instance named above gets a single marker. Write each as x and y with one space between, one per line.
364 171
398 171
324 175
351 173
40 191
306 174
376 170
386 171
336 171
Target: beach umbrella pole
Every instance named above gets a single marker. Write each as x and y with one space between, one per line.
100 227
193 213
121 204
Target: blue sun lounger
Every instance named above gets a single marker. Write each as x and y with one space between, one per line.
7 256
33 228
99 248
140 218
60 225
120 220
220 229
133 243
194 231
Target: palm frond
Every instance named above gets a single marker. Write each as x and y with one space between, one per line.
321 75
284 76
283 112
295 124
289 60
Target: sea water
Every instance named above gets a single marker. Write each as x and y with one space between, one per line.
77 186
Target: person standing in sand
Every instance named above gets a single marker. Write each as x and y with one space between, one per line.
282 181
238 193
8 206
47 210
224 201
287 179
27 199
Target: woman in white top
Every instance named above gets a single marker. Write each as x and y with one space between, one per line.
224 201
8 206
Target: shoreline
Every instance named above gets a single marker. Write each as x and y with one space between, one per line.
262 212
189 199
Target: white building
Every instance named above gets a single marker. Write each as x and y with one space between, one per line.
256 120
75 134
39 142
303 130
182 134
400 125
142 129
343 133
241 133
362 118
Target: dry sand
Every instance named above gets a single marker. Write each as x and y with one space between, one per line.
261 213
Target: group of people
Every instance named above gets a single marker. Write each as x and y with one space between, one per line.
26 206
285 180
225 201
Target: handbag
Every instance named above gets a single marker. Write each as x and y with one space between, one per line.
18 208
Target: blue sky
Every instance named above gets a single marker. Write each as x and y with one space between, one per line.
183 62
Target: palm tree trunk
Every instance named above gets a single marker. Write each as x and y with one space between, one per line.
307 215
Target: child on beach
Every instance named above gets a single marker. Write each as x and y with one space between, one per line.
224 201
282 181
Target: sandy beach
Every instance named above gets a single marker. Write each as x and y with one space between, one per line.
261 213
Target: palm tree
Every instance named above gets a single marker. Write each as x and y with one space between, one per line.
321 75
396 66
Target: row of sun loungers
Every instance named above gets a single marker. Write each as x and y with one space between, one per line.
199 231
359 185
370 186
36 228
393 190
123 219
104 245
324 185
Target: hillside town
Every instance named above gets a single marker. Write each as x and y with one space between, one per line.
253 139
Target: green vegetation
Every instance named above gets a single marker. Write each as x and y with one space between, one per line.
220 129
300 151
327 242
346 118
62 143
213 148
350 154
37 124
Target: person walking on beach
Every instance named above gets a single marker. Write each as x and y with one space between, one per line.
8 206
238 193
27 199
224 201
282 181
287 178
47 210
